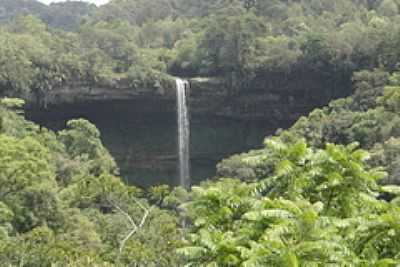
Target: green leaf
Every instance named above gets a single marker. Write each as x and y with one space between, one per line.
387 263
272 213
291 260
12 102
392 189
192 252
284 168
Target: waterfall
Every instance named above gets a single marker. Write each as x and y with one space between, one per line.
183 133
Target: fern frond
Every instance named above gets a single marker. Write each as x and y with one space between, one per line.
192 252
284 168
272 213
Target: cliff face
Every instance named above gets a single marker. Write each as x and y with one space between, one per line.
274 98
138 126
83 93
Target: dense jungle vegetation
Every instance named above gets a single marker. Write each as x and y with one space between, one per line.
141 43
321 193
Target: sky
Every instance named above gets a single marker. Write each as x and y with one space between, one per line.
97 2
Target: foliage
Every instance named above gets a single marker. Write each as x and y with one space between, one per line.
308 203
65 15
317 208
62 205
140 44
369 117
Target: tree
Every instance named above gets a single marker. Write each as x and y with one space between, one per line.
227 46
388 8
309 211
82 140
16 71
28 183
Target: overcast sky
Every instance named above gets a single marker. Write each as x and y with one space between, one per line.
97 2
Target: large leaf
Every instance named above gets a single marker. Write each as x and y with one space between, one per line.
392 189
284 168
192 252
272 213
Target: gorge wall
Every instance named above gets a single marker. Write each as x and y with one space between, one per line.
276 97
139 126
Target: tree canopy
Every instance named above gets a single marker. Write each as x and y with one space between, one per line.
135 43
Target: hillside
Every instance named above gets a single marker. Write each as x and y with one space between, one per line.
242 42
65 15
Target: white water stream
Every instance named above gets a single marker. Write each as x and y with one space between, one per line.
183 132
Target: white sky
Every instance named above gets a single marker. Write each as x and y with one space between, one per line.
97 2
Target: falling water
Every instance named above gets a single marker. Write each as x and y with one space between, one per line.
183 133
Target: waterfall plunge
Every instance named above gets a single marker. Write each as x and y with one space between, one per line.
183 133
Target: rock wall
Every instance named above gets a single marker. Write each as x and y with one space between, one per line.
142 136
273 97
138 126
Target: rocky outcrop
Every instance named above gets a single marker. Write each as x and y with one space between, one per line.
81 93
274 98
138 126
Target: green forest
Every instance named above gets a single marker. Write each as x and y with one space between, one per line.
324 192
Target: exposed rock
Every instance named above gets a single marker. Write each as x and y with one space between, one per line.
279 99
79 93
138 126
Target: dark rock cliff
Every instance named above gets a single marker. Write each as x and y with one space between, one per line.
139 125
275 98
